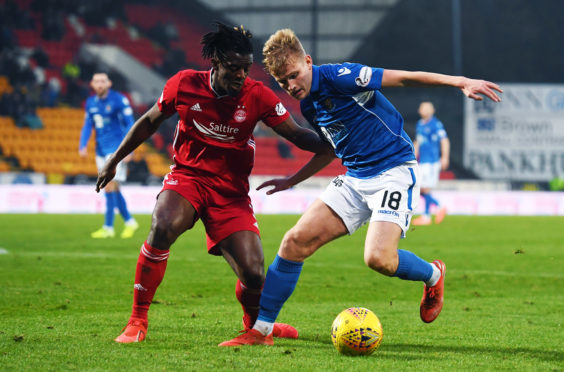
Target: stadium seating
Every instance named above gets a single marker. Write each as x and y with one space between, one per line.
5 86
54 149
268 160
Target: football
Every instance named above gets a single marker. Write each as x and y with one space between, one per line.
356 331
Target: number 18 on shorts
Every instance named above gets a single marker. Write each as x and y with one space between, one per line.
391 196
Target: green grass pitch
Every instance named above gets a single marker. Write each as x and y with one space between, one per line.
64 297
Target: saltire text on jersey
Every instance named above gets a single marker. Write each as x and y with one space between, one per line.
214 134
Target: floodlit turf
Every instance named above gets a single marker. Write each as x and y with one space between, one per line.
64 297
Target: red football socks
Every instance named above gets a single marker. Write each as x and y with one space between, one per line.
250 302
151 267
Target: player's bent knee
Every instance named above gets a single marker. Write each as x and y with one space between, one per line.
380 263
296 246
253 278
163 231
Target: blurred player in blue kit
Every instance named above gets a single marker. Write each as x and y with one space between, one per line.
381 187
432 149
110 115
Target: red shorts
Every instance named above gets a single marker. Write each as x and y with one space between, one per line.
221 215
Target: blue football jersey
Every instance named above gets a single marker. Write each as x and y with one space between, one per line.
429 136
346 106
111 117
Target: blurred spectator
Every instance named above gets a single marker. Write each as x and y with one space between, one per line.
40 56
76 90
39 74
138 171
174 60
53 24
6 36
31 120
50 92
163 33
12 15
71 70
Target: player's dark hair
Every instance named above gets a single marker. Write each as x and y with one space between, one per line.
226 38
102 71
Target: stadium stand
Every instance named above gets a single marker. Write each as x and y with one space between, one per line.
269 160
53 149
54 84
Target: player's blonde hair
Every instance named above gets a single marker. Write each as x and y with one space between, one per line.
281 47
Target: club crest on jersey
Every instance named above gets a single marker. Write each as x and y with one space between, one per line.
108 108
240 114
280 109
364 76
327 104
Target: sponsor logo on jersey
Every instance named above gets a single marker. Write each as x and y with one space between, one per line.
280 109
343 71
364 76
196 107
240 114
220 132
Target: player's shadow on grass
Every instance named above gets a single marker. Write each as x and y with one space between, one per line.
414 352
392 350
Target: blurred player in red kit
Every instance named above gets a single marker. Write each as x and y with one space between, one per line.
214 153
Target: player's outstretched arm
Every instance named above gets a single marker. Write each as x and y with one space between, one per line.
305 139
141 131
472 88
314 165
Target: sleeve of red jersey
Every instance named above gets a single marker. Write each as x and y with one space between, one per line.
273 110
167 100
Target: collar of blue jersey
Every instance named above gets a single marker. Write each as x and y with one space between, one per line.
314 79
103 98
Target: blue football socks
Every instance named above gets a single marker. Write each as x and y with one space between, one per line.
110 205
429 201
281 279
122 206
411 267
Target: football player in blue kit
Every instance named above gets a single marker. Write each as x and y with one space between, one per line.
111 116
432 149
344 103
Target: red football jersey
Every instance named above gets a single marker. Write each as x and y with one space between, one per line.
214 136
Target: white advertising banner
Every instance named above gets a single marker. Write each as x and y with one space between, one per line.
518 139
141 200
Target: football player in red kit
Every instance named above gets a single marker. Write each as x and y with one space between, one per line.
213 156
